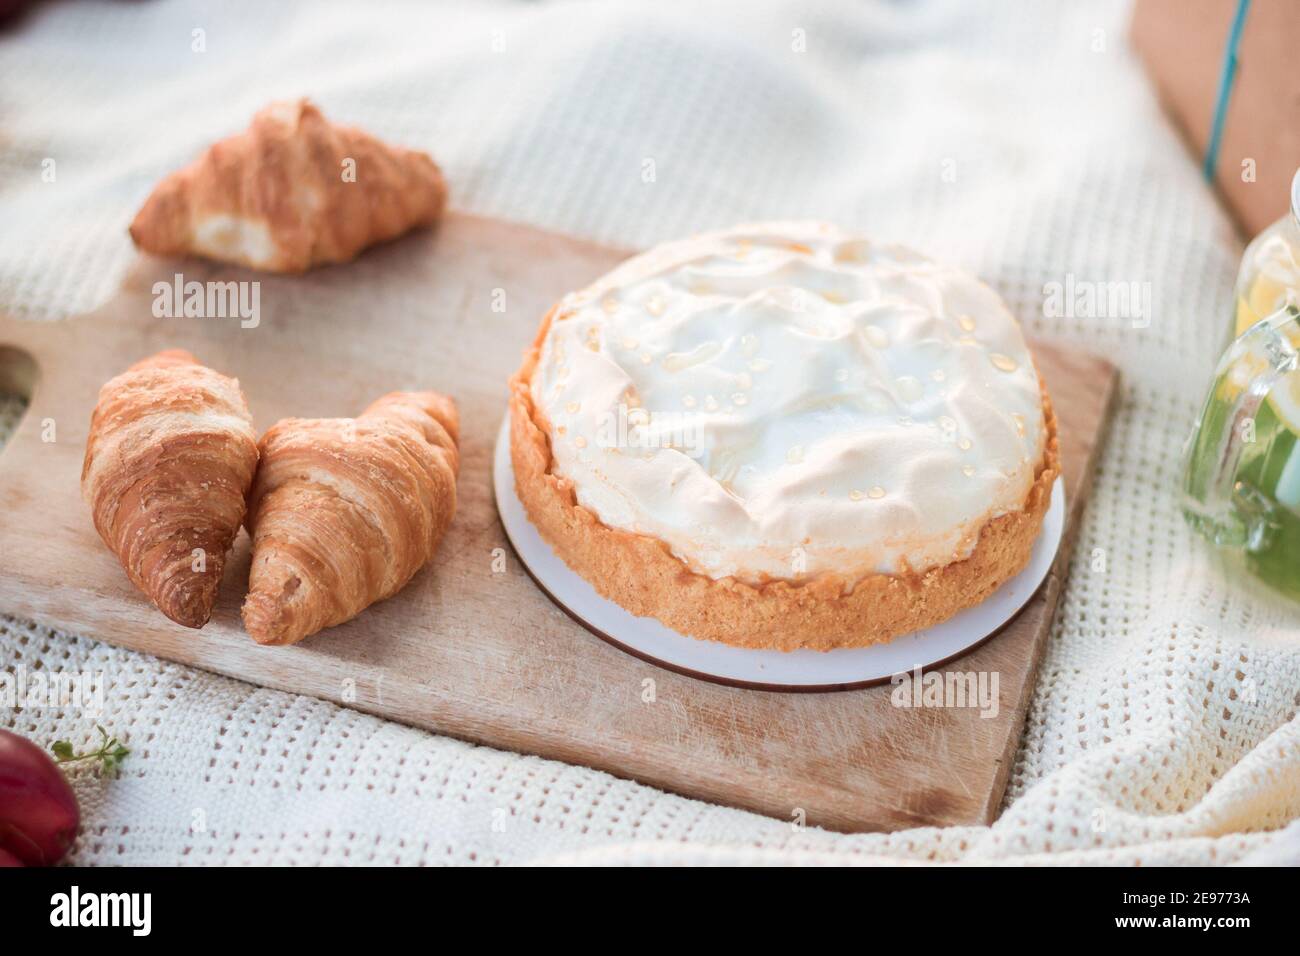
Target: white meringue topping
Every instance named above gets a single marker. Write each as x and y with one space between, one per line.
782 400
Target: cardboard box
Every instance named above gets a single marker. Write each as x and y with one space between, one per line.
1183 43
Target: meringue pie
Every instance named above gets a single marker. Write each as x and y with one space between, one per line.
783 435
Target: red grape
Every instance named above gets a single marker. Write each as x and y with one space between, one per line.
38 811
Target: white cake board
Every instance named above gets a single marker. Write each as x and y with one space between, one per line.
803 670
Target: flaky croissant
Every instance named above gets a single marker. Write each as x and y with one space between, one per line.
344 511
170 457
292 192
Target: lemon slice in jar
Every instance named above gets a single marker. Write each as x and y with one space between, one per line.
1273 289
1267 295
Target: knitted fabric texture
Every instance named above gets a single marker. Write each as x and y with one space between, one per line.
1019 140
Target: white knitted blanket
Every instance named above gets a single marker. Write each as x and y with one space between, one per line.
1019 139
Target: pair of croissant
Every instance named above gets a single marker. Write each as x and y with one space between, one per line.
342 511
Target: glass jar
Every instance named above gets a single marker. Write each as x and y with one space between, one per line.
1269 277
1241 476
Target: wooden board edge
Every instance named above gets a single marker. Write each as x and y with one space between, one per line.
1052 589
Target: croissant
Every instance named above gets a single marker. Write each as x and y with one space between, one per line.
292 192
344 511
170 456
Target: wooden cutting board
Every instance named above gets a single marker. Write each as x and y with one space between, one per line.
472 648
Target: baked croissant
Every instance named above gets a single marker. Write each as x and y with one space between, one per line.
292 192
344 511
169 460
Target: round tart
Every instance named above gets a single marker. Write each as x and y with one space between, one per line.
785 436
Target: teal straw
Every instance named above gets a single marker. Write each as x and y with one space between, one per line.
1226 78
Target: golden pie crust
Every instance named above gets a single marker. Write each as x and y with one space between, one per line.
641 574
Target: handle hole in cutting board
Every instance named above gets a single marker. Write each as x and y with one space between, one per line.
18 375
